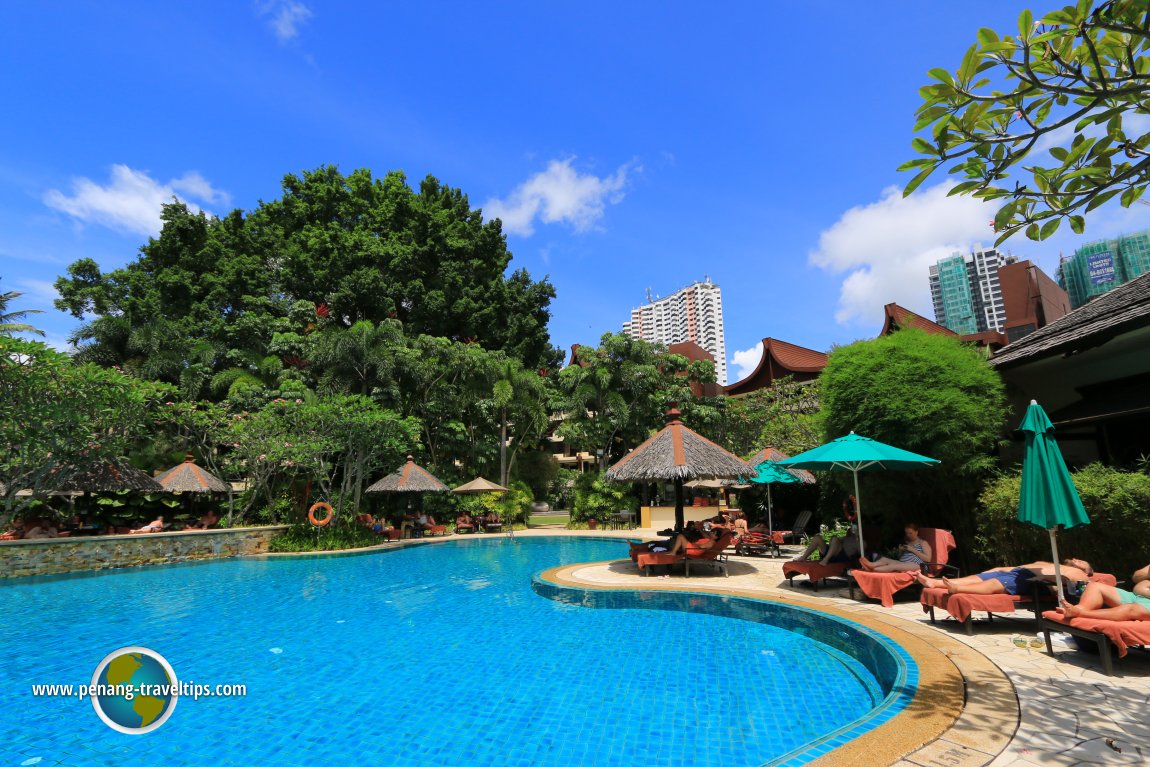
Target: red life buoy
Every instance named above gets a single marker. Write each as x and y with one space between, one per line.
311 517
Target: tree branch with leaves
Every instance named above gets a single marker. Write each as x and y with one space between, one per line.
1068 85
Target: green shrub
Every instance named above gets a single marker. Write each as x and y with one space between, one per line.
595 498
1117 502
334 537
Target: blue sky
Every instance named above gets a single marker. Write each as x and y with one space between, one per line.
626 145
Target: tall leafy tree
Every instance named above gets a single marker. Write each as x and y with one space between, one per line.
349 248
57 417
1042 122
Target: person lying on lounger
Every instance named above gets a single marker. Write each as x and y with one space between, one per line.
1011 580
1109 603
155 526
912 555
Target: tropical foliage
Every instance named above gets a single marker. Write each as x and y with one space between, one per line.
12 321
1117 502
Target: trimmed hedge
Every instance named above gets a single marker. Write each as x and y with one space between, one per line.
1117 540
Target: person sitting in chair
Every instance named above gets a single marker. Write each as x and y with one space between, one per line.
42 528
463 523
1011 580
913 554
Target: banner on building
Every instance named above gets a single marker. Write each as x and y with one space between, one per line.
1101 267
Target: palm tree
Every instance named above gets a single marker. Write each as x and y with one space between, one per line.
10 322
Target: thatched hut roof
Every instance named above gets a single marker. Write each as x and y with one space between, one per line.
110 477
409 478
190 478
480 485
676 452
774 455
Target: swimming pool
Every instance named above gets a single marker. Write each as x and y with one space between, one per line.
449 654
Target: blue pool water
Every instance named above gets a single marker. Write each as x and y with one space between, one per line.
438 655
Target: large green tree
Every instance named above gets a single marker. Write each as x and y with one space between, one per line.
215 294
1041 121
931 395
58 417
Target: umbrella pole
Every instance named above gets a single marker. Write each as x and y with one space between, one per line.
858 516
770 514
680 518
1057 568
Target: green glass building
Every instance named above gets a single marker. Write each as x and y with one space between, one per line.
1101 266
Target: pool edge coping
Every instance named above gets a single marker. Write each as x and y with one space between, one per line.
964 711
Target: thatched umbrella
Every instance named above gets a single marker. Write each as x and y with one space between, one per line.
409 478
111 476
187 477
678 454
190 478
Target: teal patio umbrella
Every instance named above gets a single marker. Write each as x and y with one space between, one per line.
771 473
1048 499
855 453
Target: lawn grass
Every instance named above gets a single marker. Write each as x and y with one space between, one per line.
548 519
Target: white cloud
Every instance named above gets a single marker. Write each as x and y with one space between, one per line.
131 200
559 194
744 362
38 293
884 249
286 17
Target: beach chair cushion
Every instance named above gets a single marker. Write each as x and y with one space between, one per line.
816 571
1124 634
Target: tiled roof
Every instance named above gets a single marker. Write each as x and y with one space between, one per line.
898 317
793 357
780 355
1123 309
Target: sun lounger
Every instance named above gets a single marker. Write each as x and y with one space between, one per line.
883 586
817 572
962 607
1121 634
714 556
493 527
798 529
754 543
393 534
435 530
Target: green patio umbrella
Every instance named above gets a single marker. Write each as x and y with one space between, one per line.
771 473
855 453
1048 499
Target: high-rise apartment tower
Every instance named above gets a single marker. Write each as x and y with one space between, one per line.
694 313
966 293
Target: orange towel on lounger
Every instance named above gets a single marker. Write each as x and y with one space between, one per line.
960 606
1124 634
816 571
882 586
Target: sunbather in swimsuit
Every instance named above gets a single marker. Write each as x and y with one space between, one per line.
1108 603
1010 580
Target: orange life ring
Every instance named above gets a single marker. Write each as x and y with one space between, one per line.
326 519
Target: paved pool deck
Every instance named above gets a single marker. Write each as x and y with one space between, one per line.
1058 710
